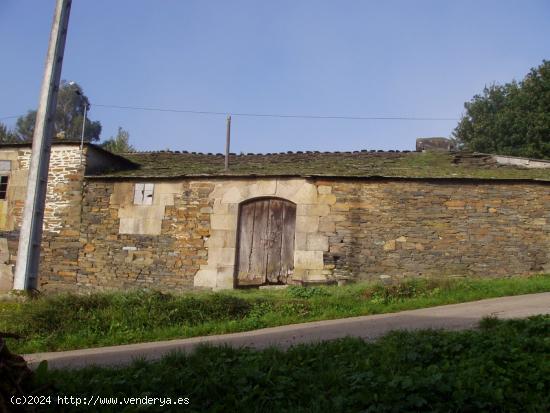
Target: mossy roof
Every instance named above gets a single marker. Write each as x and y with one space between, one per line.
359 164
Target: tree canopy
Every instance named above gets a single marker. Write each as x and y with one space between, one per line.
119 143
69 116
511 119
7 135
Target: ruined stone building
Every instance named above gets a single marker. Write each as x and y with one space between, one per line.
176 220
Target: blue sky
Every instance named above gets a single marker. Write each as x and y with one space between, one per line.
358 58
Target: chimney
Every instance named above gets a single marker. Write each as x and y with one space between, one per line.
437 144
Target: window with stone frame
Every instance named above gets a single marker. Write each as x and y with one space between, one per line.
143 193
3 186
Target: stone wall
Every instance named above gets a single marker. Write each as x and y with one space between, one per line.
60 241
96 237
344 229
438 228
10 213
187 237
119 252
218 272
11 208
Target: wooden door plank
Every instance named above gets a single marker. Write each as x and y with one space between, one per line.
274 239
246 228
258 256
266 242
287 241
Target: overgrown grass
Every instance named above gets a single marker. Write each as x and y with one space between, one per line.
71 321
503 367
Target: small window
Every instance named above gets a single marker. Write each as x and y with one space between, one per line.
143 194
3 187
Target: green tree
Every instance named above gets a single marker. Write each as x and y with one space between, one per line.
119 143
69 116
24 127
7 135
511 119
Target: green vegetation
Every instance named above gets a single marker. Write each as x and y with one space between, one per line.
7 135
69 117
64 322
119 143
462 165
510 119
359 163
504 367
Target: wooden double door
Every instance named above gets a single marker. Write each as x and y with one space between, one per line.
265 242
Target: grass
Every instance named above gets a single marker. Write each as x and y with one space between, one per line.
63 322
502 367
413 165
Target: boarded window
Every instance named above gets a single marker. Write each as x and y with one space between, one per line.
3 187
143 194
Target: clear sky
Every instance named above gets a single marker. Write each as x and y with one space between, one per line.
315 57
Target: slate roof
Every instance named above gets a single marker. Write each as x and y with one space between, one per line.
360 164
357 164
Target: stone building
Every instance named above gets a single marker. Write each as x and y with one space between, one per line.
176 220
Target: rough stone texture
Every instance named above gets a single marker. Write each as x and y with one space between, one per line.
60 240
434 229
6 274
96 238
435 144
61 237
361 164
11 208
228 194
168 260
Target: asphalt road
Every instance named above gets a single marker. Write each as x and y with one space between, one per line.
449 317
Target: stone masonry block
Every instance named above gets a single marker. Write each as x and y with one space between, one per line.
223 221
301 241
223 256
329 199
261 188
327 226
306 193
324 189
224 277
318 210
206 278
317 242
309 260
307 223
221 239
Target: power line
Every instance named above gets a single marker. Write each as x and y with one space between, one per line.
265 115
272 115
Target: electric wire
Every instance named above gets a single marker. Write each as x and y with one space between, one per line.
265 115
274 115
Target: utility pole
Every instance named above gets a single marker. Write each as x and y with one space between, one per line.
28 254
227 143
79 93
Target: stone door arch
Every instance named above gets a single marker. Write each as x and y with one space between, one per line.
265 243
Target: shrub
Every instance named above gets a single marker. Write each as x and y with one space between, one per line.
410 288
102 313
503 369
297 291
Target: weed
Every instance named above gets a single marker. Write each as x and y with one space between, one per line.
296 291
489 322
68 321
504 368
